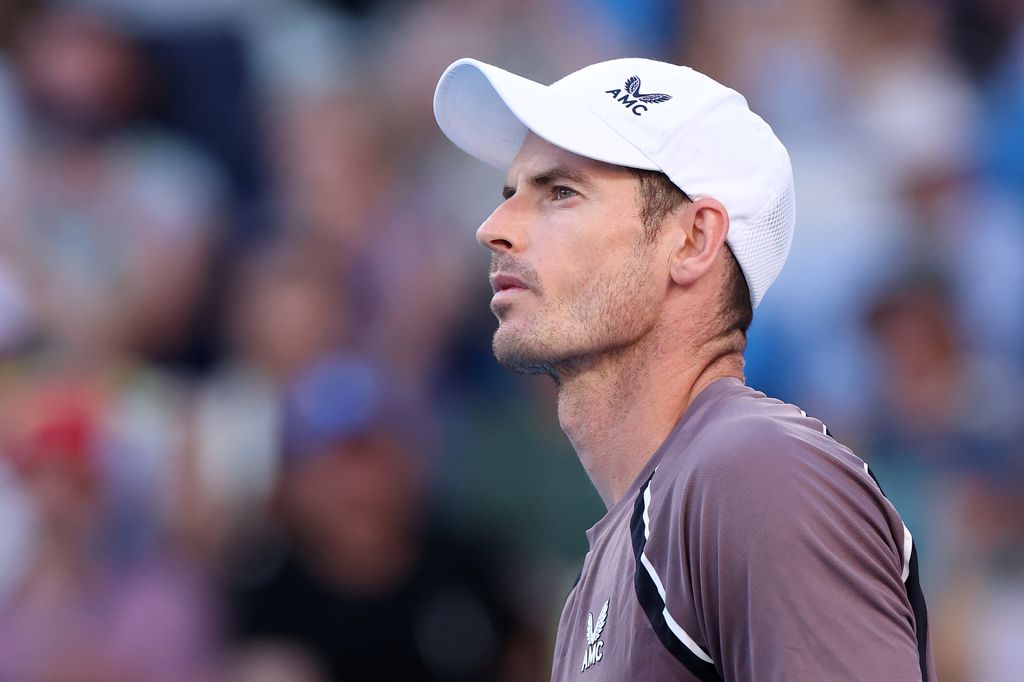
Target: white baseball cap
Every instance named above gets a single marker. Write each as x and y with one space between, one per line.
644 114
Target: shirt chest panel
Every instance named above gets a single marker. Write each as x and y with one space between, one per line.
603 633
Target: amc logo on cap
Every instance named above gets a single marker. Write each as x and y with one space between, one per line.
631 98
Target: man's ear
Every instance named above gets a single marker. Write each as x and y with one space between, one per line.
702 228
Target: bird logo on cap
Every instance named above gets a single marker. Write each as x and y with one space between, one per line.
633 88
632 97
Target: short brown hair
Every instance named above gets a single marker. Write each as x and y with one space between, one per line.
657 196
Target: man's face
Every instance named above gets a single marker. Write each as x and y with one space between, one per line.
574 276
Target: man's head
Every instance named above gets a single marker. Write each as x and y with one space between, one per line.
590 258
355 466
639 195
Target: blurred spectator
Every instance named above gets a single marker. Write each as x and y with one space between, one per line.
939 408
367 583
329 169
286 307
78 615
108 225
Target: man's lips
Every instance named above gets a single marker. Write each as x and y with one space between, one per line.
504 282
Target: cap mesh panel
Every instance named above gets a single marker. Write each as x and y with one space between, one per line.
769 236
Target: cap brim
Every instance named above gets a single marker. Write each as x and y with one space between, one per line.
487 112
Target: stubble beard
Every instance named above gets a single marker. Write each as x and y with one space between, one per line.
606 317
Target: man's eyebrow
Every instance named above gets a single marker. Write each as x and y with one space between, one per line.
553 175
558 173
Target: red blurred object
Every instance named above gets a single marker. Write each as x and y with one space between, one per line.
61 425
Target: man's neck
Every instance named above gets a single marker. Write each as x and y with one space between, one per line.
619 408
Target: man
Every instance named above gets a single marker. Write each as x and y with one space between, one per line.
367 584
646 212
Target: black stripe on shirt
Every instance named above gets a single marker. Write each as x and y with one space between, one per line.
916 596
654 606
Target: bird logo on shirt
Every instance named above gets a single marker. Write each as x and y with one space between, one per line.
595 647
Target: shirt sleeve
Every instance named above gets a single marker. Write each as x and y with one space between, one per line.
796 562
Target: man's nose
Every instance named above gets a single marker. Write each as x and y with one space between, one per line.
503 230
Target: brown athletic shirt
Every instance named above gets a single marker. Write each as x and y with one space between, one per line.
752 546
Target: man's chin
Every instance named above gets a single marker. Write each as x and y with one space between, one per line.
514 353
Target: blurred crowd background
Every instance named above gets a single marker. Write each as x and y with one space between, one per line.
251 429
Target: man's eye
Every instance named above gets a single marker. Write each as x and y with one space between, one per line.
563 192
